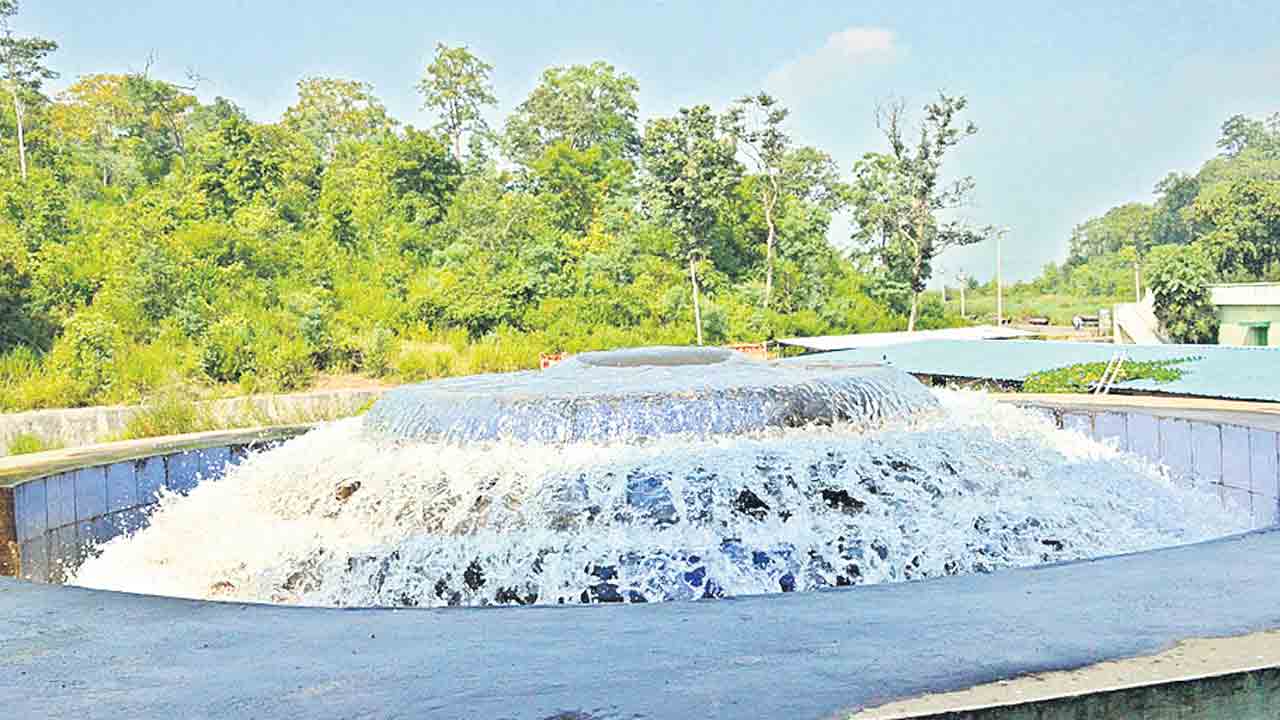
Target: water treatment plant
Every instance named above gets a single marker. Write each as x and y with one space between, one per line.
707 528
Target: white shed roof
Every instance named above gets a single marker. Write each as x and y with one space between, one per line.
1245 294
848 342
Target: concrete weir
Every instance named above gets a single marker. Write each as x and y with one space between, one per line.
77 653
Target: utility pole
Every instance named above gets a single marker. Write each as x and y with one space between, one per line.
1137 270
963 279
999 280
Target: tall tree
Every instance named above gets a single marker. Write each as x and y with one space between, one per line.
584 106
691 172
24 70
330 111
94 113
898 196
755 123
456 86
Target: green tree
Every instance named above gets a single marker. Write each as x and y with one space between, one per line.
158 121
578 183
1127 225
1176 192
93 114
331 111
23 62
1240 221
897 196
1179 276
584 106
690 174
1241 133
456 86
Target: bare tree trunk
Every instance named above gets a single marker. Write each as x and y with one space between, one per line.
697 309
768 262
22 143
916 270
457 145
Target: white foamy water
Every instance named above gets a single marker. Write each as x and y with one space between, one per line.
338 518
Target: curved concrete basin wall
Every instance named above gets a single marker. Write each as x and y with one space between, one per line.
1238 453
56 505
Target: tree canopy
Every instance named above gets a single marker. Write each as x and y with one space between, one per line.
159 239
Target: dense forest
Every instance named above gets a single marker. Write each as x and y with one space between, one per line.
1220 224
152 240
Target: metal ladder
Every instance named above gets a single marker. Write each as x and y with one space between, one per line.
1109 374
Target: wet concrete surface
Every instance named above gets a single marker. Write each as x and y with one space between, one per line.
74 653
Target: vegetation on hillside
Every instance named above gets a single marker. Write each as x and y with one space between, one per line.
150 239
1221 224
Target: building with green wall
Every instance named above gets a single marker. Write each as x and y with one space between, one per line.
1248 313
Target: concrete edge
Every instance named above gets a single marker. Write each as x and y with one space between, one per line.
18 469
1262 415
1125 686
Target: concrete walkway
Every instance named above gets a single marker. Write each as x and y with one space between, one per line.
73 653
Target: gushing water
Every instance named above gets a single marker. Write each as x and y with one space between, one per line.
344 517
626 395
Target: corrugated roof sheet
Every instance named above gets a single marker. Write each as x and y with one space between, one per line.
846 342
1244 373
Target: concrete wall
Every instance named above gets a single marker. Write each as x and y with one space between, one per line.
1241 304
84 426
1234 322
1240 461
49 524
1246 695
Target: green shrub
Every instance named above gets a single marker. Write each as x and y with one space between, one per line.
86 354
1080 378
230 349
417 361
18 364
143 369
376 349
284 364
46 389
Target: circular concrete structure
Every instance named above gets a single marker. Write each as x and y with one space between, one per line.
642 393
71 652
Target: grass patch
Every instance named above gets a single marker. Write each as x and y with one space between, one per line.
26 443
1081 377
173 414
168 414
1060 308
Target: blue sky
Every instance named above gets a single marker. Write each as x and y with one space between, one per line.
1080 105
